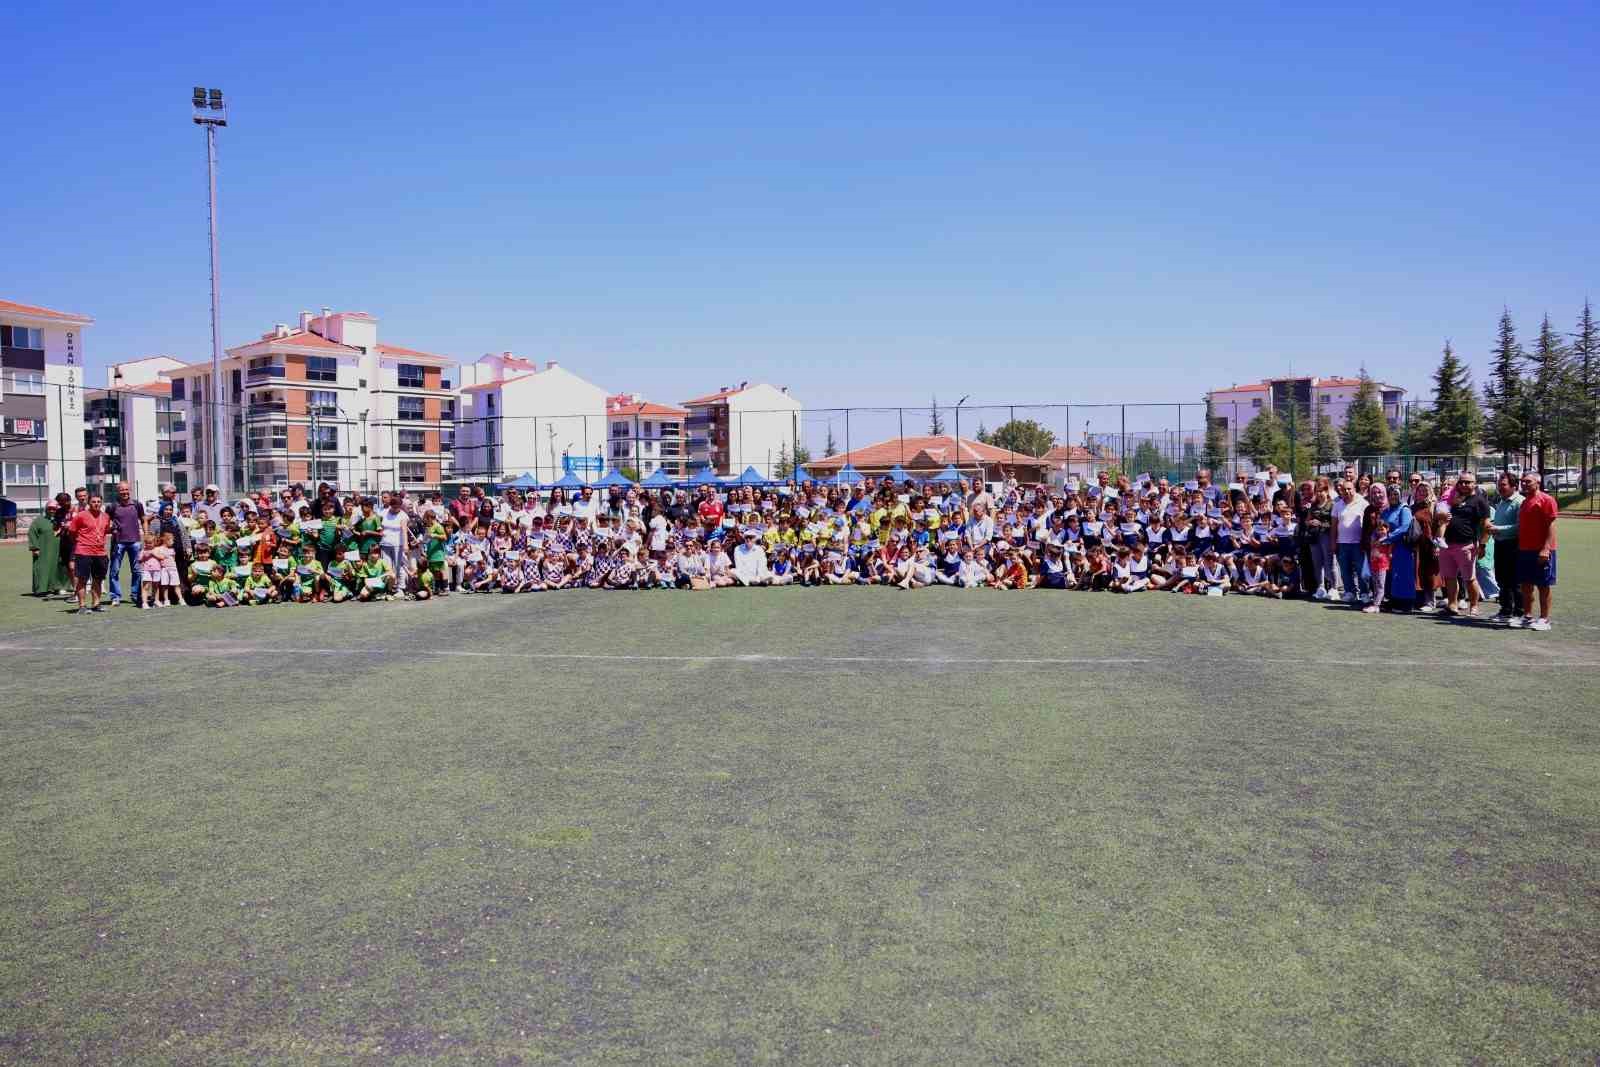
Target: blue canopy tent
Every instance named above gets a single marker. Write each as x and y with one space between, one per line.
704 476
948 476
751 476
616 478
898 474
657 480
521 481
801 475
567 481
848 475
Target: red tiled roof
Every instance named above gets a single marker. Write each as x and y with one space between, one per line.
297 339
1336 382
623 404
409 353
923 451
150 388
41 313
1069 453
712 398
1253 387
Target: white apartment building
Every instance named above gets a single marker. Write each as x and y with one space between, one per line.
519 418
322 401
1237 405
647 437
743 426
127 433
41 403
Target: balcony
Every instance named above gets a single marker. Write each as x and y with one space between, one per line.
266 407
262 374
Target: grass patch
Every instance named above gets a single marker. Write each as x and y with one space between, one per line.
799 826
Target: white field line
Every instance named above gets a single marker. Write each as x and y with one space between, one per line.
748 659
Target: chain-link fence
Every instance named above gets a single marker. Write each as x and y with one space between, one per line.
56 438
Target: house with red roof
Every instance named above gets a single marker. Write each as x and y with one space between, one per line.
924 455
645 436
322 401
744 425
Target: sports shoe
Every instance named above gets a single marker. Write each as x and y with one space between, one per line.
1517 622
1320 594
1539 624
81 611
1369 610
1350 598
116 602
98 608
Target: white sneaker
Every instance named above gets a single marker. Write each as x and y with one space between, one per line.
1539 624
1517 622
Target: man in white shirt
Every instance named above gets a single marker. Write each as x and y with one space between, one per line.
1348 512
750 562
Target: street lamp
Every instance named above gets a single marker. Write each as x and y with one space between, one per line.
963 400
210 112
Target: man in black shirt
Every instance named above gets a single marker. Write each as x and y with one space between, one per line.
1464 533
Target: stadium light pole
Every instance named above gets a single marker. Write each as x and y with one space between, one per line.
211 113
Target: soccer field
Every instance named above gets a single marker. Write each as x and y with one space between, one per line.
799 826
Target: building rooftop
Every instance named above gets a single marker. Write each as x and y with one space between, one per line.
923 452
36 312
628 404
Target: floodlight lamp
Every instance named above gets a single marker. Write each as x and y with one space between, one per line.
216 99
199 96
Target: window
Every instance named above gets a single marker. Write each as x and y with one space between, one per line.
322 369
26 474
490 399
264 367
447 408
412 473
22 337
269 471
619 429
178 385
180 454
488 431
268 435
322 402
412 440
410 376
326 470
647 430
26 382
1256 402
447 439
25 427
325 438
618 450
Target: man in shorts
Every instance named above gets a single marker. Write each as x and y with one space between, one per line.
90 531
1536 552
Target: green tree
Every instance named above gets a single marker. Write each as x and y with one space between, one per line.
1264 441
1147 459
1586 392
802 454
1215 454
784 468
829 448
1325 443
1453 426
1366 431
983 435
630 473
1505 425
1022 435
935 420
1549 390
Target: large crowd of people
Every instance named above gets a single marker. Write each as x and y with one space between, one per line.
1394 543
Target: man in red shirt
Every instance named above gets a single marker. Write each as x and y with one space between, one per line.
90 531
710 506
1536 551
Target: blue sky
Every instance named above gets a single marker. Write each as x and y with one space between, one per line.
1027 203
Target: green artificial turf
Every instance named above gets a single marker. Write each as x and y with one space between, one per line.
799 826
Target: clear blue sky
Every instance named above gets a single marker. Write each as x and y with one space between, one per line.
1022 203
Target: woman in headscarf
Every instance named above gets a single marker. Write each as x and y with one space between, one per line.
1403 563
49 568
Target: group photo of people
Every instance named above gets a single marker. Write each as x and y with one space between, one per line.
1394 543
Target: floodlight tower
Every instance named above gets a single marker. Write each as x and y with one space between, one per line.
210 113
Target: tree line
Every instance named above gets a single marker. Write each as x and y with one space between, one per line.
1535 401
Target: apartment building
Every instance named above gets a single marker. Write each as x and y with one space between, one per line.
742 426
1237 405
127 429
520 418
646 437
41 402
325 400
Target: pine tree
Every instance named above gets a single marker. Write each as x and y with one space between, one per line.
1264 441
802 454
1297 426
1454 424
829 448
1586 393
785 466
935 421
1366 431
1325 443
1549 390
1505 425
1215 454
1147 459
983 435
